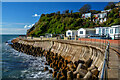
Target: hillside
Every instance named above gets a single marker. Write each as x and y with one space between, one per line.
57 23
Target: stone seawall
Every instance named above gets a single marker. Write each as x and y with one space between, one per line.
70 59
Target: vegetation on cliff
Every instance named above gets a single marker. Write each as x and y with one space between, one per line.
57 23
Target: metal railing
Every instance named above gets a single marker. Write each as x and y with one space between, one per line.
104 73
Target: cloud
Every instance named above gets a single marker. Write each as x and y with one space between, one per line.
13 31
25 26
28 26
7 24
36 15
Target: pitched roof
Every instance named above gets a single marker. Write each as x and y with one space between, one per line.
72 30
88 28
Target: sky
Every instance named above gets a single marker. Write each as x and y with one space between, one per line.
17 17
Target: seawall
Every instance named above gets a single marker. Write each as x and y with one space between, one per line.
70 59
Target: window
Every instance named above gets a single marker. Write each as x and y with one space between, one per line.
111 31
73 33
99 30
69 33
87 32
81 32
116 30
103 31
107 31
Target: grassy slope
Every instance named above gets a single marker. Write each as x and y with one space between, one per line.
59 23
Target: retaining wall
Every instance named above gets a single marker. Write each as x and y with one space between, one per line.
71 51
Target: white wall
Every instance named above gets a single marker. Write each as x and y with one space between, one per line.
97 30
72 33
91 32
69 31
84 32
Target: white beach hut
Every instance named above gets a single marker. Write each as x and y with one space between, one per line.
71 33
85 32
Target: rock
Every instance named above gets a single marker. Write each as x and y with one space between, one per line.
46 63
88 75
79 67
62 78
64 72
50 71
82 72
81 61
51 65
78 76
95 72
46 68
88 62
54 74
71 67
69 75
58 75
91 67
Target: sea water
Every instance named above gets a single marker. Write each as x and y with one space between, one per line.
18 65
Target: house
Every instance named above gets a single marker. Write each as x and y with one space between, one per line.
86 32
117 4
113 31
86 15
106 10
48 35
100 17
71 33
102 30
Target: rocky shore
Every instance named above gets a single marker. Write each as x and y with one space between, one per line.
63 69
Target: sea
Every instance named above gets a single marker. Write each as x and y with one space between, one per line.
20 66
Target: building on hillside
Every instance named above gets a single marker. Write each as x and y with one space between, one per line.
117 4
87 15
100 17
85 32
106 10
71 33
112 32
48 35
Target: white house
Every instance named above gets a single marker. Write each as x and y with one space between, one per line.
71 33
101 17
86 15
86 32
106 10
102 30
113 31
48 35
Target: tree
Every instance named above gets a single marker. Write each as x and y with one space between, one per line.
110 5
71 11
67 11
85 8
58 12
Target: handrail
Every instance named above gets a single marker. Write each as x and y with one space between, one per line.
105 64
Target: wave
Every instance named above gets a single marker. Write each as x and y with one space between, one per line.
20 65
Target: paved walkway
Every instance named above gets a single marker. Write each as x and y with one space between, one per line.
114 65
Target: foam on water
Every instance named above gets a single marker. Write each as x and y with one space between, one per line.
20 65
